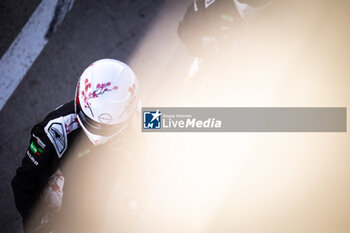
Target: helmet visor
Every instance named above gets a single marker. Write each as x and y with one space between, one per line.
97 128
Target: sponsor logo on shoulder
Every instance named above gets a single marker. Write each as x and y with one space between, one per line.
57 134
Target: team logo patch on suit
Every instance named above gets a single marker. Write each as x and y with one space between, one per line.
208 3
57 134
35 149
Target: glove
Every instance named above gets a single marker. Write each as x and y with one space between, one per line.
53 193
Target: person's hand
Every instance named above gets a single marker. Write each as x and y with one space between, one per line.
53 193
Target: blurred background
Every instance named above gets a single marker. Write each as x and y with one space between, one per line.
228 182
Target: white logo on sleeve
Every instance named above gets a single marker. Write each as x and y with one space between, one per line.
208 3
57 134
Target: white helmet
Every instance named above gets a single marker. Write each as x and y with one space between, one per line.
106 98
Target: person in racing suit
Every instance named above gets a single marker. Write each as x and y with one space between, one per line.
211 26
216 33
77 149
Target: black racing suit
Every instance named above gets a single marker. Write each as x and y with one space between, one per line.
208 30
209 26
89 173
224 42
41 159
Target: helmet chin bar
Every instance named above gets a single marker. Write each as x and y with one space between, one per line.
97 128
98 139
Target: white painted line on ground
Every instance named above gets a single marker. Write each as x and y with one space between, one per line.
28 44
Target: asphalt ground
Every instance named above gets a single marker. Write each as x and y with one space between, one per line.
14 15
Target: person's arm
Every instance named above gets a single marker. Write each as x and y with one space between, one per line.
32 176
190 29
